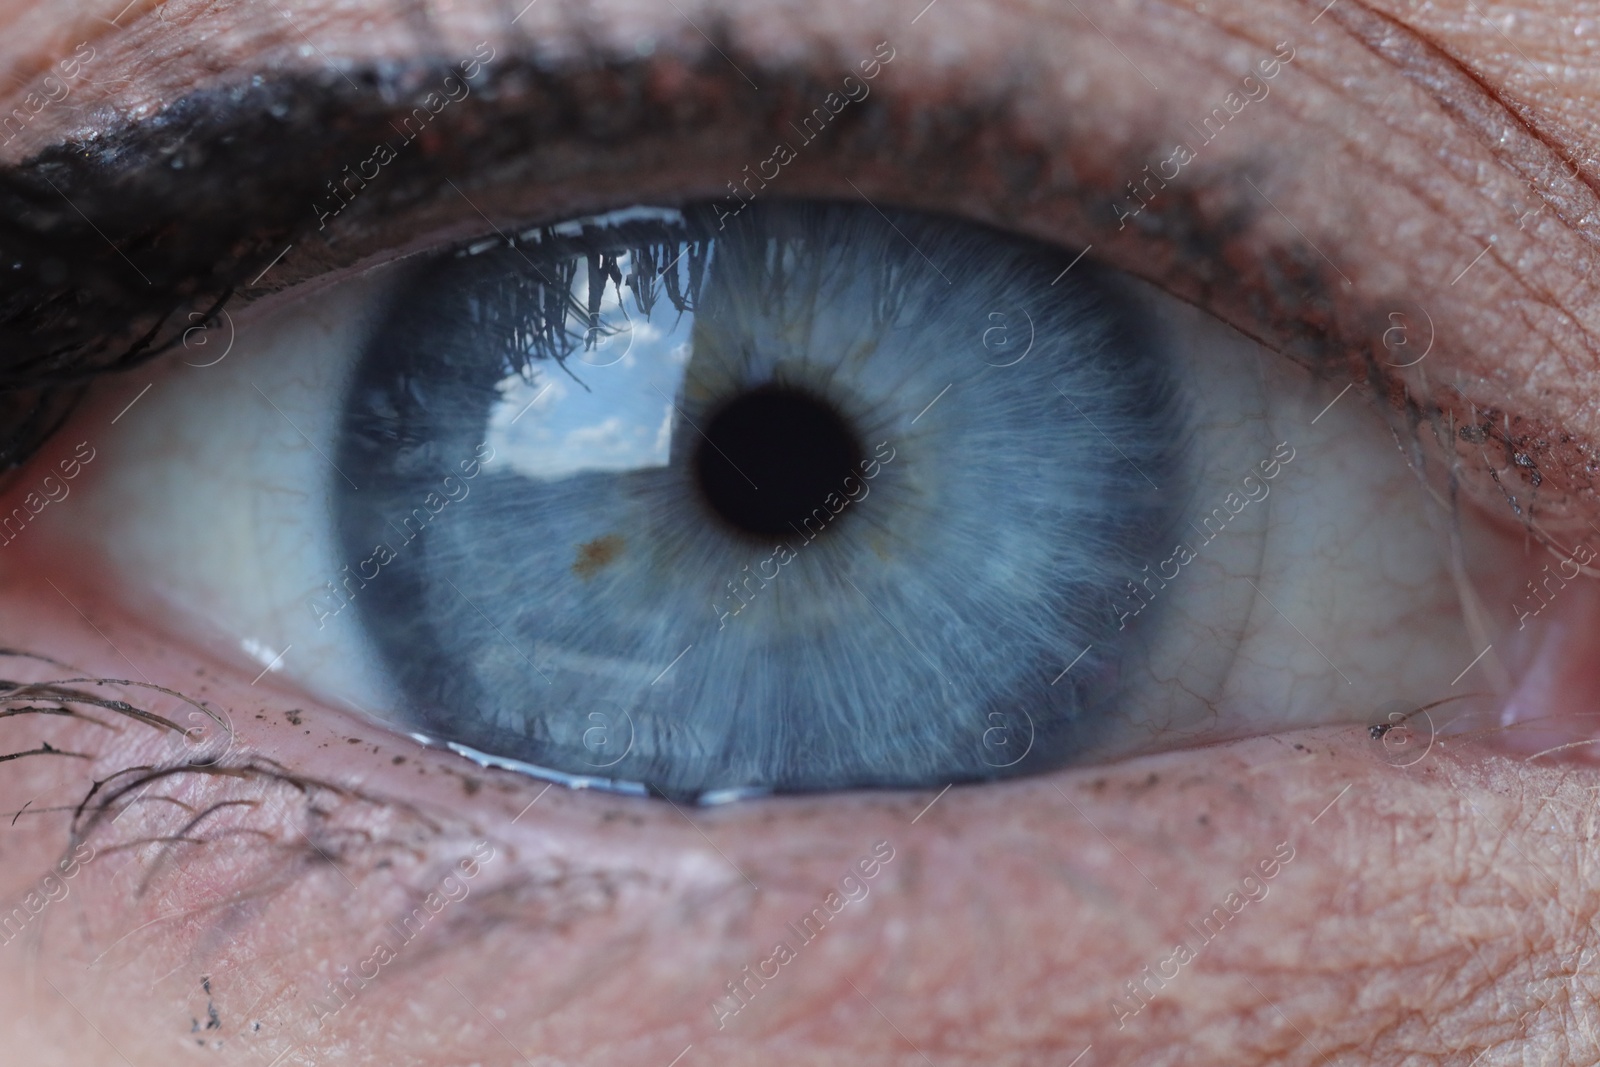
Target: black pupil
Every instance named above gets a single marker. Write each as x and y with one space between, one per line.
771 456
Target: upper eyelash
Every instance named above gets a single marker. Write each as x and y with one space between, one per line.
116 245
120 243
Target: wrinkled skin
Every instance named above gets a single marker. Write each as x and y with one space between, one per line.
1436 910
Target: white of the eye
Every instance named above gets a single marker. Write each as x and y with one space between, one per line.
1344 555
217 487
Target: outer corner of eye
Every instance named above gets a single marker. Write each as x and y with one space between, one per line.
808 499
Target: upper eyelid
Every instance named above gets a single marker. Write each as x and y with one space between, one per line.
95 203
344 121
85 216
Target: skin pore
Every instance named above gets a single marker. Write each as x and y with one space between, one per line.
1430 910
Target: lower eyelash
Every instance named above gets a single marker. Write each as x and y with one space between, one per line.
208 775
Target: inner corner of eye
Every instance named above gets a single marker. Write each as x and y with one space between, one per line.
811 496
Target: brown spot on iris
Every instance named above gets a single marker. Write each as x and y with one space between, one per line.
597 554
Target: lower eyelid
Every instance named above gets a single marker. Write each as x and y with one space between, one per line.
592 901
574 909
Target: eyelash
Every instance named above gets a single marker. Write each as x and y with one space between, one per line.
211 195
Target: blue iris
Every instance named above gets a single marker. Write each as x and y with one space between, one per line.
824 498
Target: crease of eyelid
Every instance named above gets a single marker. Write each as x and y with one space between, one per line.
1514 73
1488 112
1497 121
1481 108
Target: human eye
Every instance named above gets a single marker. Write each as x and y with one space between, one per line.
1102 437
769 495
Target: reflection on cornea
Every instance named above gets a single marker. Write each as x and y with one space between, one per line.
713 797
571 781
710 798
